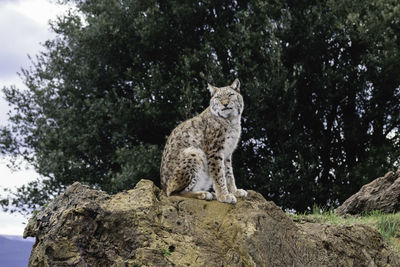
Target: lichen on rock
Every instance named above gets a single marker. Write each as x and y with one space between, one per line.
143 227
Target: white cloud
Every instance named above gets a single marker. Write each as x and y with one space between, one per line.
23 27
12 224
40 11
20 35
12 179
8 1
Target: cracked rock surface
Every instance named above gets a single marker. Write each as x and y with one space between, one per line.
143 227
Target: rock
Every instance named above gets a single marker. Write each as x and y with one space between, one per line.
381 194
143 227
346 241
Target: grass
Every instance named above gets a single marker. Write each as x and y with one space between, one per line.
387 224
168 251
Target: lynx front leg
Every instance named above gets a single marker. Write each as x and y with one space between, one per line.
231 180
216 167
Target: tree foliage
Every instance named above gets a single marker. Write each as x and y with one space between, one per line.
320 80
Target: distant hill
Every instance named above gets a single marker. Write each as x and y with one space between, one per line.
15 251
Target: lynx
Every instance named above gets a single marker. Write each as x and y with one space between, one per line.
198 153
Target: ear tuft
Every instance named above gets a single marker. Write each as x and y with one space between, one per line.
236 85
211 88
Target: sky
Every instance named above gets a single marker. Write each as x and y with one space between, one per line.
23 28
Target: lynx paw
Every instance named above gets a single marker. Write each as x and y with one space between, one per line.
206 196
241 193
228 198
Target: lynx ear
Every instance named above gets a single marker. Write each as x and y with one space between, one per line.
236 85
211 88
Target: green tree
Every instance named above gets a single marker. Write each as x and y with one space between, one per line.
343 59
119 77
320 80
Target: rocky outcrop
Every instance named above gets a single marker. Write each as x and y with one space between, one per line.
143 227
381 194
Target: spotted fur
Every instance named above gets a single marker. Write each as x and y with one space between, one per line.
198 153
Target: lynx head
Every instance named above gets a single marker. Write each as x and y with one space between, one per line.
226 102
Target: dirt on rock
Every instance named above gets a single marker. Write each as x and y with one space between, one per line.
143 227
